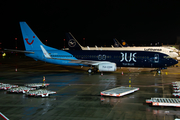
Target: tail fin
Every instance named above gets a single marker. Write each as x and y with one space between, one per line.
31 41
116 43
124 44
72 42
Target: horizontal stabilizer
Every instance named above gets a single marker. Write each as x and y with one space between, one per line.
23 51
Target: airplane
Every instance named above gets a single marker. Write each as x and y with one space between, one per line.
124 44
104 61
169 49
116 43
77 46
173 48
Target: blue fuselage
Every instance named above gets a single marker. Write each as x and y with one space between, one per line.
121 58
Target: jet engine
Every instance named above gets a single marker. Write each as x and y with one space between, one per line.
107 67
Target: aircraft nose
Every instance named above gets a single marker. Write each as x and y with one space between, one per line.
175 54
175 62
171 62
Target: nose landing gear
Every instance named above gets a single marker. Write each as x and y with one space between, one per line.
158 71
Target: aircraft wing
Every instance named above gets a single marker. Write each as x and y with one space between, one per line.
88 62
23 51
85 62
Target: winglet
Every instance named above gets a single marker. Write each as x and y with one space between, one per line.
46 54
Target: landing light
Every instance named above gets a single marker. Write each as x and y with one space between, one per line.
4 54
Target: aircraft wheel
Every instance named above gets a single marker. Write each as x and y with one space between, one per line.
90 71
159 71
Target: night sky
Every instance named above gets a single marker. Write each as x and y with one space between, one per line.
136 22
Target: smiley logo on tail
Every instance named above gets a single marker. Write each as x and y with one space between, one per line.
29 43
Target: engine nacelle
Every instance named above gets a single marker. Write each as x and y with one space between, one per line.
107 67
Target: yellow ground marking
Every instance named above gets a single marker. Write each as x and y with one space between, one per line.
170 73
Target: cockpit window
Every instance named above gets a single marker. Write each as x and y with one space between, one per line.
167 57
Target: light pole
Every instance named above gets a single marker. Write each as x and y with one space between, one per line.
64 42
16 43
46 42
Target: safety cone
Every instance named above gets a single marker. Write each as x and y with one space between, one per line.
101 74
122 73
44 80
102 99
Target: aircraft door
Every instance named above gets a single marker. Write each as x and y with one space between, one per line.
156 58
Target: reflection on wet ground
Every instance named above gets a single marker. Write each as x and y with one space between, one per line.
78 94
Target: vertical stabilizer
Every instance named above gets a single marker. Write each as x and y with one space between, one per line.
124 44
72 42
31 41
116 43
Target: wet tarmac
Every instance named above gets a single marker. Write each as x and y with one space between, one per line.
78 94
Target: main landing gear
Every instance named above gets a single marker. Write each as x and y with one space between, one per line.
159 70
92 70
